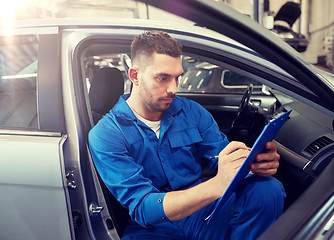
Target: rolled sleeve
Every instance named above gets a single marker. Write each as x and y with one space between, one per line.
152 210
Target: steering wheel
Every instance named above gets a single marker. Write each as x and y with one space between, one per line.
242 107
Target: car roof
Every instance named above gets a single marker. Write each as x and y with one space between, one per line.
117 22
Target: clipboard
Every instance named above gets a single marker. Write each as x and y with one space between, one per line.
267 135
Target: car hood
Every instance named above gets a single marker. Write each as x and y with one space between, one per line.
223 19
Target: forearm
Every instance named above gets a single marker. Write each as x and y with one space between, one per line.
181 204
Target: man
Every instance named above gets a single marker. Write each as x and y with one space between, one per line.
148 150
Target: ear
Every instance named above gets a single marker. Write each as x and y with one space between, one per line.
133 75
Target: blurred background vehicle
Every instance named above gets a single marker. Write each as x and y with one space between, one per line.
284 19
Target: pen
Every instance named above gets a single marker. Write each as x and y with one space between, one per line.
214 157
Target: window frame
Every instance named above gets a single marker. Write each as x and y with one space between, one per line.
50 114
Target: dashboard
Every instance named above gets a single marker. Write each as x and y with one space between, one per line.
308 133
306 146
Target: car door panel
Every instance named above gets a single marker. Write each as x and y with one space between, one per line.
32 190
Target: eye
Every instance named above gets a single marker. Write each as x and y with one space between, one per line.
162 78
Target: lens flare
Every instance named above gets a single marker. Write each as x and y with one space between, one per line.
8 11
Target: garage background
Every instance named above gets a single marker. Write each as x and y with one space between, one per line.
315 23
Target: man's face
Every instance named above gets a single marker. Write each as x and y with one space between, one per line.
158 81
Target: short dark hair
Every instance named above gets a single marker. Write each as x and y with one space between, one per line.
155 42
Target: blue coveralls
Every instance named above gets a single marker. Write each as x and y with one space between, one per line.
138 168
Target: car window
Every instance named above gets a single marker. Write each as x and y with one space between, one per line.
196 79
233 79
200 76
18 72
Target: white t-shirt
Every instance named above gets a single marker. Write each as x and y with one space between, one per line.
155 125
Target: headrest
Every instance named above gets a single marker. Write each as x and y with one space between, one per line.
106 87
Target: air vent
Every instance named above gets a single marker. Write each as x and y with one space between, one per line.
318 144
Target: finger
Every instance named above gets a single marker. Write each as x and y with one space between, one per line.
233 146
239 154
236 164
233 162
269 156
262 171
264 165
266 173
271 146
271 149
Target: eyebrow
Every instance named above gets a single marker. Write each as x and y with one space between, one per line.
163 74
167 75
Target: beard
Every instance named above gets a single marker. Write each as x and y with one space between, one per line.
160 104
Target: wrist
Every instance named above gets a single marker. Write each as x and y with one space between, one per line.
218 187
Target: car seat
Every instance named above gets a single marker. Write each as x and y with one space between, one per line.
107 86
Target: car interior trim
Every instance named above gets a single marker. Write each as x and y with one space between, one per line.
314 197
295 159
311 230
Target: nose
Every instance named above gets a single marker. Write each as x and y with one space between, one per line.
172 87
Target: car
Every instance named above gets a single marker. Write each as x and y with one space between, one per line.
60 76
284 19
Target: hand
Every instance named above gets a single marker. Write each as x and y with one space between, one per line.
266 163
230 160
183 203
